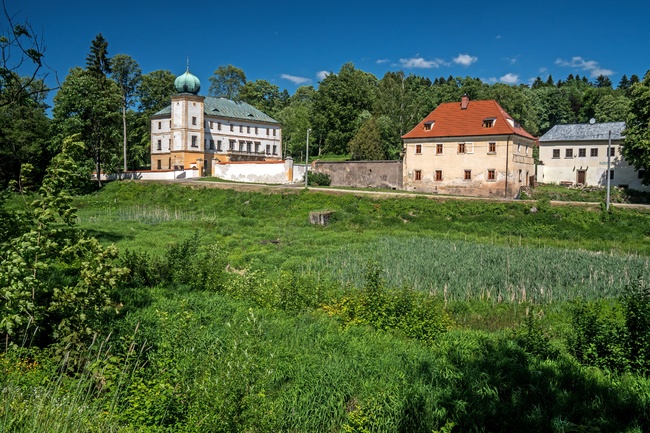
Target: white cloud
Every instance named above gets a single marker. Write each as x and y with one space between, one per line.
509 78
382 61
419 62
590 66
294 79
465 59
322 74
491 80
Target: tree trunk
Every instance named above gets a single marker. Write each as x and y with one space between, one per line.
124 133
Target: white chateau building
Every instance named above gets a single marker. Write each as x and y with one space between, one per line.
198 131
576 154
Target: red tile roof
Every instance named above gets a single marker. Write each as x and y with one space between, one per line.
450 120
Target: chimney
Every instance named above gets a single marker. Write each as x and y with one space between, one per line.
464 102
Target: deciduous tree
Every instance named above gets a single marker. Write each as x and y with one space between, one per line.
636 147
226 82
127 75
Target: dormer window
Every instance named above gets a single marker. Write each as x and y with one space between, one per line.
428 125
489 122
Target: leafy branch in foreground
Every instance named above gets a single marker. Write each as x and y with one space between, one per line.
53 278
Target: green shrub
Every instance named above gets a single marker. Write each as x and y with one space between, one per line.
318 179
414 314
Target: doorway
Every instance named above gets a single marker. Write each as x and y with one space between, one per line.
582 177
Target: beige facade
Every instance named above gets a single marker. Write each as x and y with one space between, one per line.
468 148
478 166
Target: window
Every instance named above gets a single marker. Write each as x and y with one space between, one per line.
492 174
193 120
274 132
594 151
268 149
439 149
211 124
212 144
159 125
520 175
232 128
438 175
257 146
169 163
526 150
518 147
556 153
159 146
248 130
418 149
194 141
611 174
268 131
492 147
488 123
428 126
219 145
219 126
275 149
159 164
612 151
256 130
582 153
248 146
461 147
241 145
231 146
241 128
468 174
418 175
170 123
568 153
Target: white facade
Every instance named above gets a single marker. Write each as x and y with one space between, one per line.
578 155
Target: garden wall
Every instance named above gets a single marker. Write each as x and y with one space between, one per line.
362 174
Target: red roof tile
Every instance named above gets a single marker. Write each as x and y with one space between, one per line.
452 121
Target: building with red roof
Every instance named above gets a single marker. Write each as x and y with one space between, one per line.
468 148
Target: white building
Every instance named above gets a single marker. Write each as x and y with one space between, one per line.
576 154
198 131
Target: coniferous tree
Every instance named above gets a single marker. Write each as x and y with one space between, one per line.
97 62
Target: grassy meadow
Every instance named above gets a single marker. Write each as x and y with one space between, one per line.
401 315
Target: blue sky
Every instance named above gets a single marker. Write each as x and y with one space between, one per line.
292 43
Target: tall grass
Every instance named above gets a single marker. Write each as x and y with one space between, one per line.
459 270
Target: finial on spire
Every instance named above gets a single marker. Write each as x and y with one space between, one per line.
188 63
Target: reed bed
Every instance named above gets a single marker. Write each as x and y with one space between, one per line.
460 270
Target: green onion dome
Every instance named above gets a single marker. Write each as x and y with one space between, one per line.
187 83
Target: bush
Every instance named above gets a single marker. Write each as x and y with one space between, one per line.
318 179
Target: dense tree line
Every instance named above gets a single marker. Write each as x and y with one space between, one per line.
108 103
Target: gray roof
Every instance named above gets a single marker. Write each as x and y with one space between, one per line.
221 107
584 132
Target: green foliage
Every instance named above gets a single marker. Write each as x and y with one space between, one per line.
614 338
226 82
414 314
636 147
318 179
54 281
367 143
636 309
